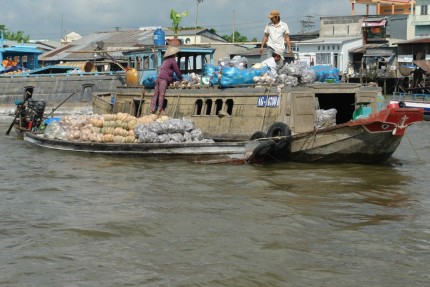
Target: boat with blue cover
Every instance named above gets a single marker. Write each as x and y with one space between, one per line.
20 67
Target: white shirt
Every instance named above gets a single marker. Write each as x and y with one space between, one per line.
276 39
270 62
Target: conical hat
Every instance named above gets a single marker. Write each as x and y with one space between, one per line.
171 51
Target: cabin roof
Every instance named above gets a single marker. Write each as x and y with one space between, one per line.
114 43
415 41
183 49
328 40
21 49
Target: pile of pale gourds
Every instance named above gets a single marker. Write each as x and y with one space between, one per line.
117 128
16 72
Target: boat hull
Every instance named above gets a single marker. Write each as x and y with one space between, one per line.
366 141
215 152
343 145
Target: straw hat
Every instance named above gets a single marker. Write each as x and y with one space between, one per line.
171 51
273 13
280 52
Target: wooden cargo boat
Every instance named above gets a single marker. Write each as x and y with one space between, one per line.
290 113
204 152
288 118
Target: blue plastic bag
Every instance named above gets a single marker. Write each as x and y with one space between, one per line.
149 79
325 72
233 76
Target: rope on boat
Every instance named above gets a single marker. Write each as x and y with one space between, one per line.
265 108
312 136
308 141
413 147
176 105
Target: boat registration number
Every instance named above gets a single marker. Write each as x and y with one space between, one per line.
268 101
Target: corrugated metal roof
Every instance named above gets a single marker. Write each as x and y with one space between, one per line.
375 2
374 50
114 43
374 19
328 40
83 49
415 41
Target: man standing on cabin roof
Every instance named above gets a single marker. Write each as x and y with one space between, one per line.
274 62
164 78
276 35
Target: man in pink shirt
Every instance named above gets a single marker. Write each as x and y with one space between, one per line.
164 78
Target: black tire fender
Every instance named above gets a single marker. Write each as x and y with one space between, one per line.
283 144
278 129
258 135
264 148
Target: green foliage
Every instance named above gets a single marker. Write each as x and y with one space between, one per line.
18 36
176 20
237 37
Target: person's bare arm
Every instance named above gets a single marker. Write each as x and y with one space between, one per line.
287 41
263 42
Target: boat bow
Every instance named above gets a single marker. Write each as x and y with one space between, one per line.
394 120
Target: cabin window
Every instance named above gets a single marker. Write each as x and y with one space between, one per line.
229 103
138 107
182 63
199 62
145 63
218 106
191 63
323 58
165 102
139 63
151 61
208 107
198 107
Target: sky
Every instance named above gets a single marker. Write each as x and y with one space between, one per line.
53 19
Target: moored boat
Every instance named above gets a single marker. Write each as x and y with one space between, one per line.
19 68
413 101
362 129
317 122
208 152
146 136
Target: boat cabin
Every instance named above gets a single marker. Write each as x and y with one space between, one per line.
26 56
237 113
147 61
18 55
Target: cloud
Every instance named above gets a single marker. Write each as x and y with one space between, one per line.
49 19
